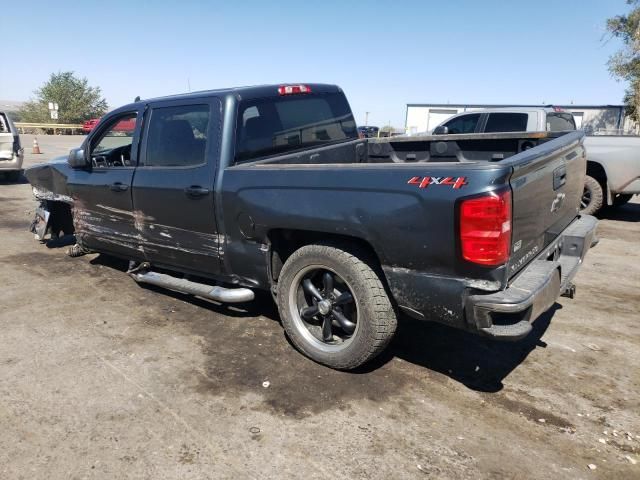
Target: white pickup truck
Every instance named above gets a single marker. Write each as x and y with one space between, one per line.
613 162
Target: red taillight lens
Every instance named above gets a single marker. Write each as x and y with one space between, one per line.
293 89
485 228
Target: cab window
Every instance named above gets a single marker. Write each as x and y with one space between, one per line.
507 122
177 136
281 125
463 124
112 146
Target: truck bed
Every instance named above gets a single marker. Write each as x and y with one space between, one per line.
479 147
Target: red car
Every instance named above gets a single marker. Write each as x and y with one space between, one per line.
125 126
90 125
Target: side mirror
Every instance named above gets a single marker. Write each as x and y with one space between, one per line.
77 158
441 130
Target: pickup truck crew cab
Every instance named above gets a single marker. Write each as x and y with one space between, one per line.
613 166
224 192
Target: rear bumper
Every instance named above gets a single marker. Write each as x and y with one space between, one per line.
13 163
507 314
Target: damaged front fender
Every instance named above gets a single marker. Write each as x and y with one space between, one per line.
50 188
49 180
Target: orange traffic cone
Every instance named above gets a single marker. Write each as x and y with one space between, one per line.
36 147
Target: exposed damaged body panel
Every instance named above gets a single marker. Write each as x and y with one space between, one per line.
122 231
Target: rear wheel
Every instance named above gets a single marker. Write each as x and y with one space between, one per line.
334 306
592 196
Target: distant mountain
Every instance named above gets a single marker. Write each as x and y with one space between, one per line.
10 105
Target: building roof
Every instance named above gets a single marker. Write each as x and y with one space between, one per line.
508 105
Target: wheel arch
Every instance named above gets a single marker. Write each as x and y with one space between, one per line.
597 171
285 241
61 216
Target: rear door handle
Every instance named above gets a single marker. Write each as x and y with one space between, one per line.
119 187
195 191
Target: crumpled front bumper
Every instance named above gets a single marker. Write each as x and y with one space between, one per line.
508 314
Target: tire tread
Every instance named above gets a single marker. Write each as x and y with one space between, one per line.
383 319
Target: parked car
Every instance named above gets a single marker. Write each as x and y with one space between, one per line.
368 132
613 163
222 193
124 127
89 125
11 151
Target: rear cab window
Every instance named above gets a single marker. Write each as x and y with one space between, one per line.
280 125
507 122
560 122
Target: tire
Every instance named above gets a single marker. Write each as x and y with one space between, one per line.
592 197
621 199
370 307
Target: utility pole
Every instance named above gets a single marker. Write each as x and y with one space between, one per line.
366 119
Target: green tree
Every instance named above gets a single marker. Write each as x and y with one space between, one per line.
77 101
625 64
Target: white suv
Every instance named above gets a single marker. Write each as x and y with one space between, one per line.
11 152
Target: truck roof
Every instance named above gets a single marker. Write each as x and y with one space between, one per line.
247 92
548 109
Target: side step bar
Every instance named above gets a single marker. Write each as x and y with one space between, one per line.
219 294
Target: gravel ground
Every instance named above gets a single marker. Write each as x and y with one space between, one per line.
103 378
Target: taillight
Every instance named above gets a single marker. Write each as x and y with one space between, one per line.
293 89
485 228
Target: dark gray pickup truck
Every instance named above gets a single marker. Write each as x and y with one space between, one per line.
223 192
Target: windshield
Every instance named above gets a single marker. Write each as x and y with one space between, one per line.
278 125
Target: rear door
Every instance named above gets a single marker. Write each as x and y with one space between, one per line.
506 122
547 184
173 186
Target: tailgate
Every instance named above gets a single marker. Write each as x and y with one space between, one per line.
547 184
6 146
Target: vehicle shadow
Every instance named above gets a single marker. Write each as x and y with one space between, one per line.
4 179
630 212
477 362
261 306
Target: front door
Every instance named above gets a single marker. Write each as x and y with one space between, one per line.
103 212
174 184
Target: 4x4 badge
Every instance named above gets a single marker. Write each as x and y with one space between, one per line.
424 182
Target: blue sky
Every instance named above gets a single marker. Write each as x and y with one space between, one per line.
384 54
